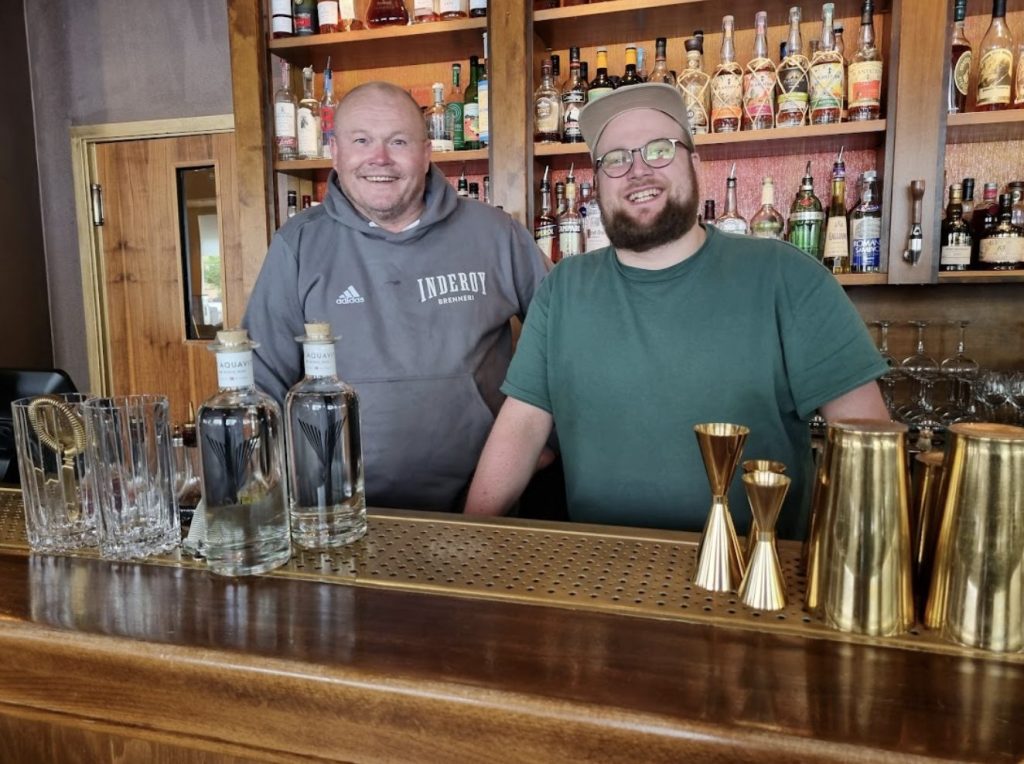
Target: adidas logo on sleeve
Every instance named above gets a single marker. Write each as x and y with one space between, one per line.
349 297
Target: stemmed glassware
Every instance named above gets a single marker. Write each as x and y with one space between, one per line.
962 371
994 391
889 379
1017 394
922 369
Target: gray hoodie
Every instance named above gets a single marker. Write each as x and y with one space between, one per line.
424 322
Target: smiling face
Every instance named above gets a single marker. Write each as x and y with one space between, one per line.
381 155
646 207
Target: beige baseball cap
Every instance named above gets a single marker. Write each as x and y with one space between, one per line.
596 115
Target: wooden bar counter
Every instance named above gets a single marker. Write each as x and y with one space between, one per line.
453 640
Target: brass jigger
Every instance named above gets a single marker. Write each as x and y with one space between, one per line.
763 586
758 465
719 558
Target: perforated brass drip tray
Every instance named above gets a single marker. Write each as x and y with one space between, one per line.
628 571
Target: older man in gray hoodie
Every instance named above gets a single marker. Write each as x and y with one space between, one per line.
421 286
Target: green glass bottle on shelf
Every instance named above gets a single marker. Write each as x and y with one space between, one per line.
806 218
471 109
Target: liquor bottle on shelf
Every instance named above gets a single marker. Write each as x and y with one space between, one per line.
594 235
864 73
471 109
348 21
308 119
292 209
836 253
1002 247
960 58
327 500
995 70
307 201
582 202
386 13
1016 192
792 79
574 98
305 17
477 8
727 85
574 55
547 108
759 81
545 226
630 76
483 99
709 212
453 9
825 79
984 217
487 190
1018 78
282 21
806 218
462 186
425 12
955 242
694 83
454 108
241 445
285 106
840 45
968 203
866 227
328 105
585 72
660 72
327 16
474 191
570 225
439 128
556 68
767 222
559 198
731 221
601 86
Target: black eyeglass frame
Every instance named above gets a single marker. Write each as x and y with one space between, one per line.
676 142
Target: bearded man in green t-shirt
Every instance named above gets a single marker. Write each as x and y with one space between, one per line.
626 348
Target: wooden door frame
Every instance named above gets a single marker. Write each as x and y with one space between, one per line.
84 139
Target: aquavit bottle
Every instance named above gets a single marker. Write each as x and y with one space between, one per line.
960 58
759 81
825 81
727 85
995 70
694 83
241 445
955 243
791 100
327 503
864 74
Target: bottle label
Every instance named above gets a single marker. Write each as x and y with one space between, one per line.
962 72
807 216
837 241
731 225
453 114
1019 82
284 124
865 84
1002 249
483 125
792 99
304 22
595 93
441 144
309 133
545 236
825 83
235 369
470 122
571 105
766 229
546 114
318 359
570 237
423 8
347 9
726 96
866 243
994 77
759 91
281 17
594 235
955 254
327 13
477 5
450 6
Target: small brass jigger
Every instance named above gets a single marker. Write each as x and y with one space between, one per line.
763 587
719 559
756 465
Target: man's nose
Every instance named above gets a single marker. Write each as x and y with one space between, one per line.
638 168
380 153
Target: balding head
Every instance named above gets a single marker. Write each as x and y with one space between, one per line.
395 99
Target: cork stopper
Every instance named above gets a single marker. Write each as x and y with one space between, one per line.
317 332
232 341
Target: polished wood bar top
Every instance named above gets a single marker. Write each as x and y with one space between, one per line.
280 668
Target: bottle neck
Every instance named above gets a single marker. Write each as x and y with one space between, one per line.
730 197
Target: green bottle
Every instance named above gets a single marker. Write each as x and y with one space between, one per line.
806 218
471 109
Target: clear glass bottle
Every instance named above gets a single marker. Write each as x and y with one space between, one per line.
864 75
1002 246
727 85
547 108
386 13
453 9
545 226
806 218
594 235
437 120
471 109
308 119
866 227
731 221
241 445
759 81
791 100
836 253
660 72
328 106
825 80
425 12
961 57
285 106
326 502
767 222
995 69
453 107
694 83
601 85
574 98
955 242
570 224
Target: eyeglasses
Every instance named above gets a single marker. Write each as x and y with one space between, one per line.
657 153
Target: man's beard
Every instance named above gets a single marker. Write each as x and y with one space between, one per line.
675 219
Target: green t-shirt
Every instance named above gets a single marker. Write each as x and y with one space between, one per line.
627 361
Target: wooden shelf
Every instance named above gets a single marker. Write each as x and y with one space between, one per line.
777 142
437 157
985 126
384 47
981 277
862 279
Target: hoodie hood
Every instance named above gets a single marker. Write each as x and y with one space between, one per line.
441 200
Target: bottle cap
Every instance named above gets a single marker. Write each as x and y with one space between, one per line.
317 332
232 341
